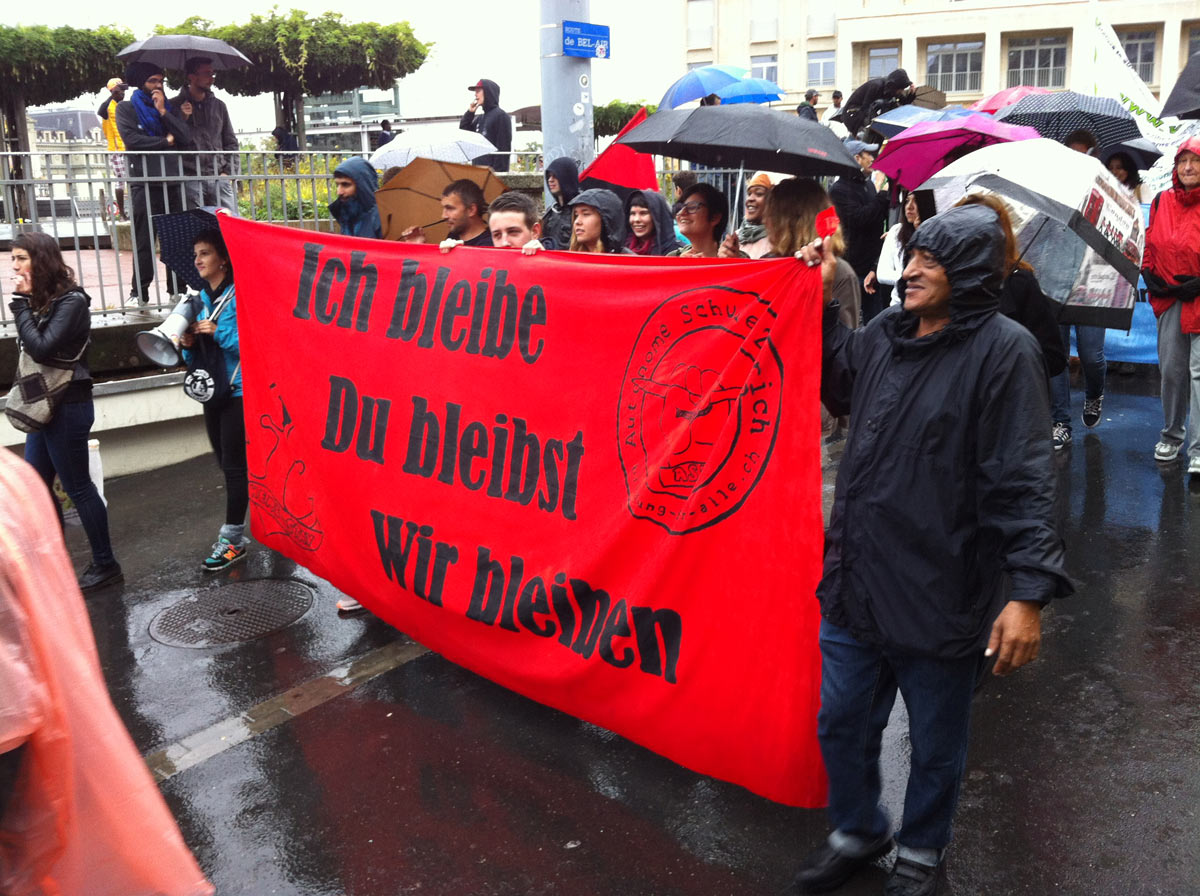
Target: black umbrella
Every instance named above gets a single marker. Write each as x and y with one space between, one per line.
1184 101
743 136
176 232
1056 115
174 50
1143 153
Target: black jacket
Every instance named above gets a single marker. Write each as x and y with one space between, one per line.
59 333
152 156
944 503
872 98
211 131
1022 300
863 212
494 123
556 222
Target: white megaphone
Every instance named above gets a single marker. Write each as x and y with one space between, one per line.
161 345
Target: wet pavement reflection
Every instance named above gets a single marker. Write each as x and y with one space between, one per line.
1083 778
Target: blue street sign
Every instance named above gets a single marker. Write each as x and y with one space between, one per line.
585 39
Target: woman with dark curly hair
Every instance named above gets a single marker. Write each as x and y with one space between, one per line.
54 326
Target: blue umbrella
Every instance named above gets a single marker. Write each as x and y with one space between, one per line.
892 123
700 82
176 232
750 90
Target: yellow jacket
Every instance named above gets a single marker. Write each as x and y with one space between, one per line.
109 126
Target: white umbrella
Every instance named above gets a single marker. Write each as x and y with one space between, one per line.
1066 203
460 147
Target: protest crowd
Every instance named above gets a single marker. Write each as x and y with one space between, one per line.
951 311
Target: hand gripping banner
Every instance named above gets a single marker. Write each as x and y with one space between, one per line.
594 480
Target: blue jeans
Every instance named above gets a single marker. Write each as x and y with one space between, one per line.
1089 343
858 688
61 447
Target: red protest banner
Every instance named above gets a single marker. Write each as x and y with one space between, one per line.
594 480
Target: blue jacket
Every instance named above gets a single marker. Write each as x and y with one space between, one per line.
358 216
227 332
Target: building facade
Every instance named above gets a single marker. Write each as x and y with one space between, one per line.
967 48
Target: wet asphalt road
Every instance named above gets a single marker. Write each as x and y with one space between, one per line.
293 770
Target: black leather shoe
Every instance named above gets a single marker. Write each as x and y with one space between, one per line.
96 577
827 869
912 879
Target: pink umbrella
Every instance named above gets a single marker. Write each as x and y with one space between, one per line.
927 147
1006 97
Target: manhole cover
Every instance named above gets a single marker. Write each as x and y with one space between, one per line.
241 611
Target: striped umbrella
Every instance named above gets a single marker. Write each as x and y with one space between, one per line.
1055 115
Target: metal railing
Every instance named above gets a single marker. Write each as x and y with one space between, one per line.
71 195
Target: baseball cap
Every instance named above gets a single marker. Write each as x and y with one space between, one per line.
114 83
857 146
478 85
810 93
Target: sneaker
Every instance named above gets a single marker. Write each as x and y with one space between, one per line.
96 577
349 605
910 878
1091 411
1061 436
224 553
1165 452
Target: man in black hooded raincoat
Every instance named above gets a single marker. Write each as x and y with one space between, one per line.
941 547
485 116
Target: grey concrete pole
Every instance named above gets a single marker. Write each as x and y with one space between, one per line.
566 87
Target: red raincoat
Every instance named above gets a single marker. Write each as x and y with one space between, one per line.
1173 241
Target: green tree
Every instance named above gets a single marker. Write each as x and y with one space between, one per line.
295 54
608 120
48 65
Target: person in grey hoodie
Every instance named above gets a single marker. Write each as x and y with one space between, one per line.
493 122
355 209
599 223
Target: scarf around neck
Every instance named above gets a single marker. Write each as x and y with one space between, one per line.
148 116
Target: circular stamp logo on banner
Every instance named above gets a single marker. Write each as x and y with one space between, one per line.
699 408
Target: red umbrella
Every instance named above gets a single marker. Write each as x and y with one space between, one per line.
622 168
1006 97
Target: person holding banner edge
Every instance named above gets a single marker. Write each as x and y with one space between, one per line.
952 553
215 334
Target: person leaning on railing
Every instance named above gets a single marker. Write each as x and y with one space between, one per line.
154 138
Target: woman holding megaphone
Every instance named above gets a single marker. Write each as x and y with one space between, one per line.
210 349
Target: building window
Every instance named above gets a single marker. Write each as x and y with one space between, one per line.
882 61
955 68
1037 61
764 67
764 20
820 68
699 23
1139 49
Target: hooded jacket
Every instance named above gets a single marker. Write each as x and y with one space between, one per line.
494 123
872 98
358 216
608 203
944 504
863 212
556 222
663 239
1173 243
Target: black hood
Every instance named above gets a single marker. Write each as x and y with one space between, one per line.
566 171
968 242
608 204
491 93
897 79
664 222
